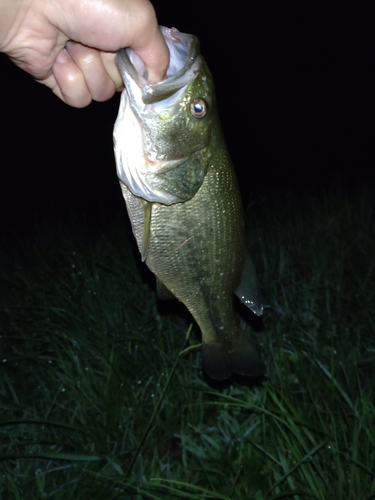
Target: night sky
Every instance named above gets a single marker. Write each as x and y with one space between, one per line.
295 88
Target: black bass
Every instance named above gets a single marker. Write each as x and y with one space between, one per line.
183 200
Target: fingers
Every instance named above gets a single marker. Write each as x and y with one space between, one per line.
145 38
82 74
68 82
109 62
91 31
90 63
110 25
154 53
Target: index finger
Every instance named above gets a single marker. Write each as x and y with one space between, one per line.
154 52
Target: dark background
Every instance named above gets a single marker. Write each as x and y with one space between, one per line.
295 86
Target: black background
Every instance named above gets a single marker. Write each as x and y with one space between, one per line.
295 87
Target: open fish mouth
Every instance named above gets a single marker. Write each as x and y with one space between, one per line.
185 61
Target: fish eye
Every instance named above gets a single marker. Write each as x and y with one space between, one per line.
198 108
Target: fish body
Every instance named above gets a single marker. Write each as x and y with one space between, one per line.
183 200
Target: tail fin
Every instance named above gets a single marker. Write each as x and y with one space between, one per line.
221 360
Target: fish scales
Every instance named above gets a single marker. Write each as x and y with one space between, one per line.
196 247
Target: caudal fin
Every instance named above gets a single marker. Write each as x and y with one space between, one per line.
220 361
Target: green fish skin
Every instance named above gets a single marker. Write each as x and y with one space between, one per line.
187 214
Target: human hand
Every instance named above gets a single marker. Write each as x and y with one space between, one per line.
70 45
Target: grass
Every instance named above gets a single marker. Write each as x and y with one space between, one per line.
101 390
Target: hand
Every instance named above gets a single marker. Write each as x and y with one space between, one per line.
70 45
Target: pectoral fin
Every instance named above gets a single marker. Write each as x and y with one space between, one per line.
247 290
140 212
146 230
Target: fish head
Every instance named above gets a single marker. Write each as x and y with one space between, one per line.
163 131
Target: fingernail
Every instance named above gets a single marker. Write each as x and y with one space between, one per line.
62 57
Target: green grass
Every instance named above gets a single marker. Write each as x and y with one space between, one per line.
102 395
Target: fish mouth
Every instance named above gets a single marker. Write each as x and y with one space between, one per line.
185 60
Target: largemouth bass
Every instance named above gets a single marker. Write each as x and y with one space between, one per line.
183 200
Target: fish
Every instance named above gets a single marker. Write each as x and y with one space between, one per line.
183 200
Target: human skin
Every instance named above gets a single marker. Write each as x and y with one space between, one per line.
70 45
